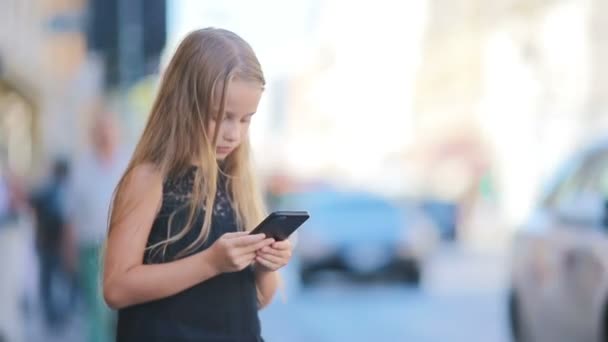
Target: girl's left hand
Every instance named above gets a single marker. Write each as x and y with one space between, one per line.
273 257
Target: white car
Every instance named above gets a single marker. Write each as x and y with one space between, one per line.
559 279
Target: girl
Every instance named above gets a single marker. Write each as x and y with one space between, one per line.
180 265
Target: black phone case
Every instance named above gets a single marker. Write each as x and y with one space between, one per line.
281 224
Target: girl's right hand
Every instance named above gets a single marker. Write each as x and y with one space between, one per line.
233 252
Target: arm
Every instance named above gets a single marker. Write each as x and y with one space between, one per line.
127 281
266 282
144 283
268 260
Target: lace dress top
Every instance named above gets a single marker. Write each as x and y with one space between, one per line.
223 308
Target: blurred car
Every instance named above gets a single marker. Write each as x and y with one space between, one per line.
559 278
444 214
360 234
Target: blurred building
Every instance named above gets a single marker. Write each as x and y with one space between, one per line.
471 87
43 63
347 105
523 79
58 59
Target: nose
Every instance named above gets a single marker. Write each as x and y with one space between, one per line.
231 133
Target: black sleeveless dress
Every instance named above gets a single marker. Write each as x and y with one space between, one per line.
223 308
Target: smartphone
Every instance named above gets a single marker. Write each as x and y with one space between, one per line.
279 225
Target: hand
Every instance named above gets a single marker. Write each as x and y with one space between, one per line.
274 256
234 251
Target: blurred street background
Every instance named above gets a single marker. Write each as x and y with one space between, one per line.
452 155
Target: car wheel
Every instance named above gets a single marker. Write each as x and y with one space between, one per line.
411 273
307 277
519 332
604 324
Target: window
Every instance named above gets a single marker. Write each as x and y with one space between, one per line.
566 183
596 181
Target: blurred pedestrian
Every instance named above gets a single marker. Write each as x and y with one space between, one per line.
15 238
95 175
57 273
180 264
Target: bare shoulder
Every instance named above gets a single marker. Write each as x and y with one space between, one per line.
143 173
143 182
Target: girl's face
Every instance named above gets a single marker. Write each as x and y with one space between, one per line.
242 101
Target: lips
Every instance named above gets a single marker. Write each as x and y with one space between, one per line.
223 149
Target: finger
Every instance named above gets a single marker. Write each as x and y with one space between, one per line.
273 251
271 258
257 246
266 263
246 258
235 234
282 245
242 241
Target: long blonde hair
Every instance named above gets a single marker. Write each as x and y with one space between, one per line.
194 84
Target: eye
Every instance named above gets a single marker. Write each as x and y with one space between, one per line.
247 119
